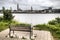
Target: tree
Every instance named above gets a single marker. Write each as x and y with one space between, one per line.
7 14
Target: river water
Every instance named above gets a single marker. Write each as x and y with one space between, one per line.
35 18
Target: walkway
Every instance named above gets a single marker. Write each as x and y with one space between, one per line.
40 35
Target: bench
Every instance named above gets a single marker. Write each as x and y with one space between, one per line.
20 28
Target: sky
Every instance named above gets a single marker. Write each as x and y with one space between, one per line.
26 4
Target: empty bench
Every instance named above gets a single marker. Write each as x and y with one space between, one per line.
20 28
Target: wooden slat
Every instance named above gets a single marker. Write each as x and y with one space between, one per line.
20 28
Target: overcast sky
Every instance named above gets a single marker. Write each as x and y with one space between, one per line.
26 4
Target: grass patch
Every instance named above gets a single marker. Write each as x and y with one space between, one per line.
5 24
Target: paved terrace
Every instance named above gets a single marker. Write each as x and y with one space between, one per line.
40 35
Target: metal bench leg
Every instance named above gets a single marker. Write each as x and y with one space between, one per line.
9 33
30 34
13 31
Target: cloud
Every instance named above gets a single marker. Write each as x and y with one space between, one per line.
56 3
40 3
35 3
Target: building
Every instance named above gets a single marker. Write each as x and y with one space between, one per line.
56 10
18 9
49 10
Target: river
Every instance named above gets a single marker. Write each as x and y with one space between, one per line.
35 18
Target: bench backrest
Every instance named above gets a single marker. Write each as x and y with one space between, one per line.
20 28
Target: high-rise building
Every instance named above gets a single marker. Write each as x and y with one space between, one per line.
31 8
18 9
17 6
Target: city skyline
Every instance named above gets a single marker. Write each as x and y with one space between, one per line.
26 4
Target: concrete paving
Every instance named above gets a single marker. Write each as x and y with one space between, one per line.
37 35
43 35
